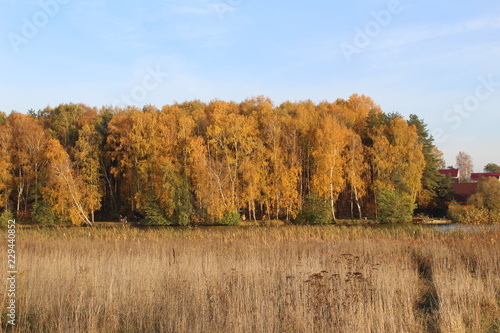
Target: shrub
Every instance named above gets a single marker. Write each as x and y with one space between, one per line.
487 194
472 215
43 214
184 209
314 211
5 217
183 218
154 215
230 218
394 206
455 212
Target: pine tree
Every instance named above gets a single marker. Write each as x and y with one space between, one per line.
427 197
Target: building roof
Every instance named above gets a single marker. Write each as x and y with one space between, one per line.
452 172
476 176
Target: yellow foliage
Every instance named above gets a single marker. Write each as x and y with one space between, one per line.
5 164
329 157
64 191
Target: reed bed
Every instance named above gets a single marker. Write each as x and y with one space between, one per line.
286 279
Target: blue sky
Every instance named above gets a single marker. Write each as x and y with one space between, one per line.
439 60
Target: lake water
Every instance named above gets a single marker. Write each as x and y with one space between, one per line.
465 227
438 227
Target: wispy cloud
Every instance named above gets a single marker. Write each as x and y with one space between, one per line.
204 10
484 23
415 34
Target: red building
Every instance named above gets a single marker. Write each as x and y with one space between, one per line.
474 177
453 173
464 190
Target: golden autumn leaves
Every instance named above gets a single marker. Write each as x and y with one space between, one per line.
39 170
207 161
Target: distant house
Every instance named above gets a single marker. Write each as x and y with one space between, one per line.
463 191
475 177
453 173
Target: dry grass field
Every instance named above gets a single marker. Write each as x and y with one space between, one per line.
284 279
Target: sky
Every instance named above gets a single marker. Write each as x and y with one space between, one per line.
437 59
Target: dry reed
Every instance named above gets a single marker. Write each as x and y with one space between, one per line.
288 279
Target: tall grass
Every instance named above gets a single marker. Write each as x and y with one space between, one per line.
291 279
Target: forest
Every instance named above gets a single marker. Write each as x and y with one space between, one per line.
219 163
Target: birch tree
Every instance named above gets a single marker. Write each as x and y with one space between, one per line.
356 171
28 143
64 190
328 153
464 165
88 161
6 166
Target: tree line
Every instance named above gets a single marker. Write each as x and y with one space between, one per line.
218 162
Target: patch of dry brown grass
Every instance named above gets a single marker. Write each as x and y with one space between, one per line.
289 279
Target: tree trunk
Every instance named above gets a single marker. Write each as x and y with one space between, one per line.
332 201
277 206
352 204
357 203
19 194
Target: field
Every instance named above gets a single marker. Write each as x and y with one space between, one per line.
279 279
